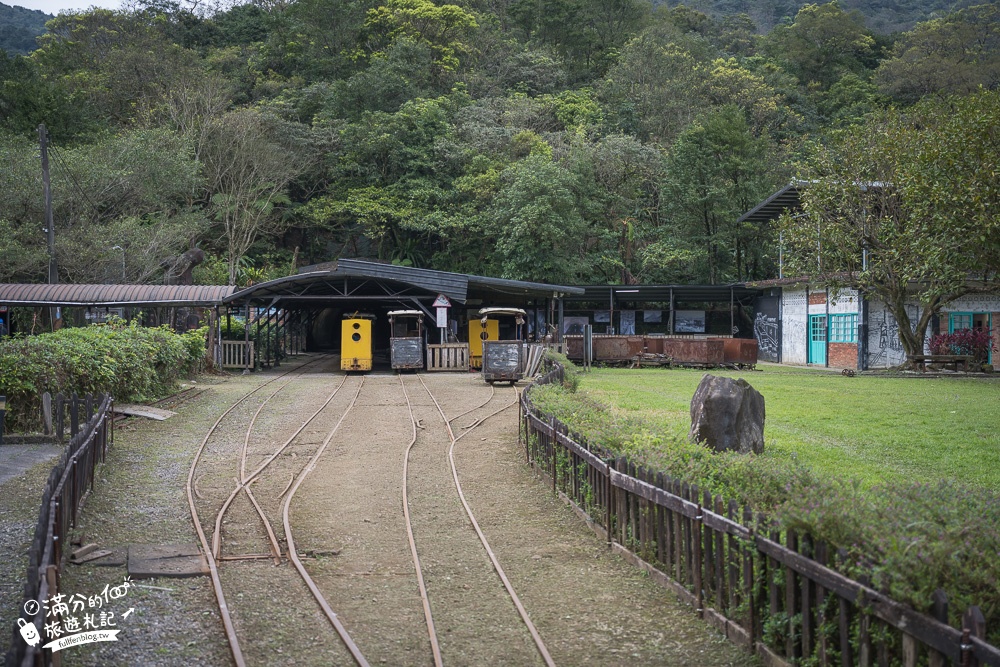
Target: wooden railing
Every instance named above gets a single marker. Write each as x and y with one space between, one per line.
237 354
771 591
448 357
69 480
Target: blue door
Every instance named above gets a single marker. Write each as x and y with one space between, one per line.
817 339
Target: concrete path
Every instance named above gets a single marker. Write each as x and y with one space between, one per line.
16 459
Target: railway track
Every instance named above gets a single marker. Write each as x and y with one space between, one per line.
243 480
486 409
251 522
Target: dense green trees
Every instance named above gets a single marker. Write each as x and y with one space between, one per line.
953 54
19 27
561 140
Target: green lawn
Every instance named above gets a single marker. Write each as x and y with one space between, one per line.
876 429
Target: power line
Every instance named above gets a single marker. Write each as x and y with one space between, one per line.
68 173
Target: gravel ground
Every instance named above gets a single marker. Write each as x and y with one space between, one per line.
588 605
20 498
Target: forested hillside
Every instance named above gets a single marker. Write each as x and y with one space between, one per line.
884 16
569 141
19 27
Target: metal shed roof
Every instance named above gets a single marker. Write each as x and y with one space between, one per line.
354 279
785 199
41 294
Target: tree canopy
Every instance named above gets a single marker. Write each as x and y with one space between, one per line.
903 207
560 140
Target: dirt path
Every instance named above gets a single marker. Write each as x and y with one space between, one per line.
588 605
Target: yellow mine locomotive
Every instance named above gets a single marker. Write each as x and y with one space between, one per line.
356 342
481 330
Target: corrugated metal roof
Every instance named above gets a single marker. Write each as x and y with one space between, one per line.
355 279
785 199
448 283
39 294
452 285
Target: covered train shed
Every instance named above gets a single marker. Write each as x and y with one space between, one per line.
662 310
54 305
308 308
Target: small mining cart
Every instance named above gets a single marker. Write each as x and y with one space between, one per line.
503 360
406 342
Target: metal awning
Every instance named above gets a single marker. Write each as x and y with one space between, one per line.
108 296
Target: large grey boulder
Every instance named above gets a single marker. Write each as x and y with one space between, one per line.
728 415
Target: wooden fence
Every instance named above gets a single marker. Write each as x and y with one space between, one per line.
69 480
448 357
770 591
237 354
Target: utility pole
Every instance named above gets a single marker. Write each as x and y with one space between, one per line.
50 230
43 142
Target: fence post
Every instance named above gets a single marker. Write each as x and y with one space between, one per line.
748 596
520 418
609 496
846 649
720 560
808 586
47 413
708 572
973 625
940 612
822 645
791 598
60 416
555 441
74 416
699 565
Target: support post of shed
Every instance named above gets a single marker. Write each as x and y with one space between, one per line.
559 324
732 316
218 338
246 339
670 317
611 312
267 338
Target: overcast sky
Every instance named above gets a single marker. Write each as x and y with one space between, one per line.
55 6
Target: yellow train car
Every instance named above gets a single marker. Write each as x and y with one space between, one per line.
480 330
357 342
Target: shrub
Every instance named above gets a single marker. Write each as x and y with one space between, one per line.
974 342
130 362
571 373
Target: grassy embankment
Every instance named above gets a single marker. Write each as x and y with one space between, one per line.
873 429
902 473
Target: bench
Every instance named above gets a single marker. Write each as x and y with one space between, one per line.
921 360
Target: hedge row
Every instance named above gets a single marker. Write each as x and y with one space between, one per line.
910 539
130 362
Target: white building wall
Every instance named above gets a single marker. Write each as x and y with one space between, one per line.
843 302
974 303
884 348
794 316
